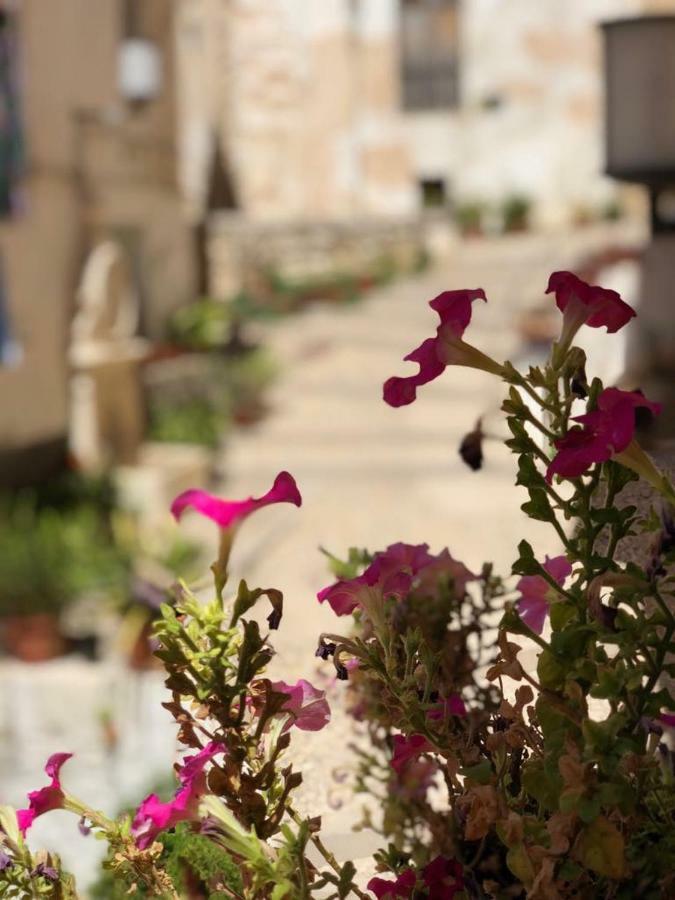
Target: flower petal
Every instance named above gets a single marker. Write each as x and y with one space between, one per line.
226 513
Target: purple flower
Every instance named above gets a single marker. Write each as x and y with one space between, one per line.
307 705
392 573
606 431
446 349
451 706
44 871
6 861
407 749
155 815
536 593
227 513
47 798
587 304
442 878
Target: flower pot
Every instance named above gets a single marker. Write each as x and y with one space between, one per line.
33 638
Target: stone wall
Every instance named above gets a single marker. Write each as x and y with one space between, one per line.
530 113
244 252
303 98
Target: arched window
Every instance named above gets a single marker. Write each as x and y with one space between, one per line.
430 54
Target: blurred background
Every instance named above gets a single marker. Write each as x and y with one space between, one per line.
220 222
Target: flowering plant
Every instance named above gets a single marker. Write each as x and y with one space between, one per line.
492 779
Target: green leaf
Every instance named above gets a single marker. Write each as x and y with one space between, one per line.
538 507
526 564
520 864
600 848
480 773
550 670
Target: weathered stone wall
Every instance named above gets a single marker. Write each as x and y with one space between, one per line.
304 99
530 116
242 252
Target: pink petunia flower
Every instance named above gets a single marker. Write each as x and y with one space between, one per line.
47 798
451 706
407 749
586 304
442 878
667 719
400 889
536 593
606 432
392 574
307 705
446 349
155 815
228 513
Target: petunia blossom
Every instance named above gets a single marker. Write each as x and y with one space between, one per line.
586 304
442 878
227 513
446 349
606 432
668 719
155 815
450 706
307 705
406 749
536 593
47 798
392 574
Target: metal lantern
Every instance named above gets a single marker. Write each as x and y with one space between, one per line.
139 71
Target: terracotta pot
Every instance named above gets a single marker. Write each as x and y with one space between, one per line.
33 638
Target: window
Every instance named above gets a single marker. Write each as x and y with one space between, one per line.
429 54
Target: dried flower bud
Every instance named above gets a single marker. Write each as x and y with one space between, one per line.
471 448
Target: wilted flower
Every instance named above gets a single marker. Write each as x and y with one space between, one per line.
6 861
47 798
607 431
446 349
536 593
155 815
471 448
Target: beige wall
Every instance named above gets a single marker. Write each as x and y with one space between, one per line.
85 181
304 98
545 138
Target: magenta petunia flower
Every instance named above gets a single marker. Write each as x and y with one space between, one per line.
47 798
446 349
451 706
155 815
536 593
407 749
667 719
307 705
400 889
227 513
586 304
393 573
442 878
607 431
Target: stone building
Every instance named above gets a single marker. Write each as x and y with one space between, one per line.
91 90
504 98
